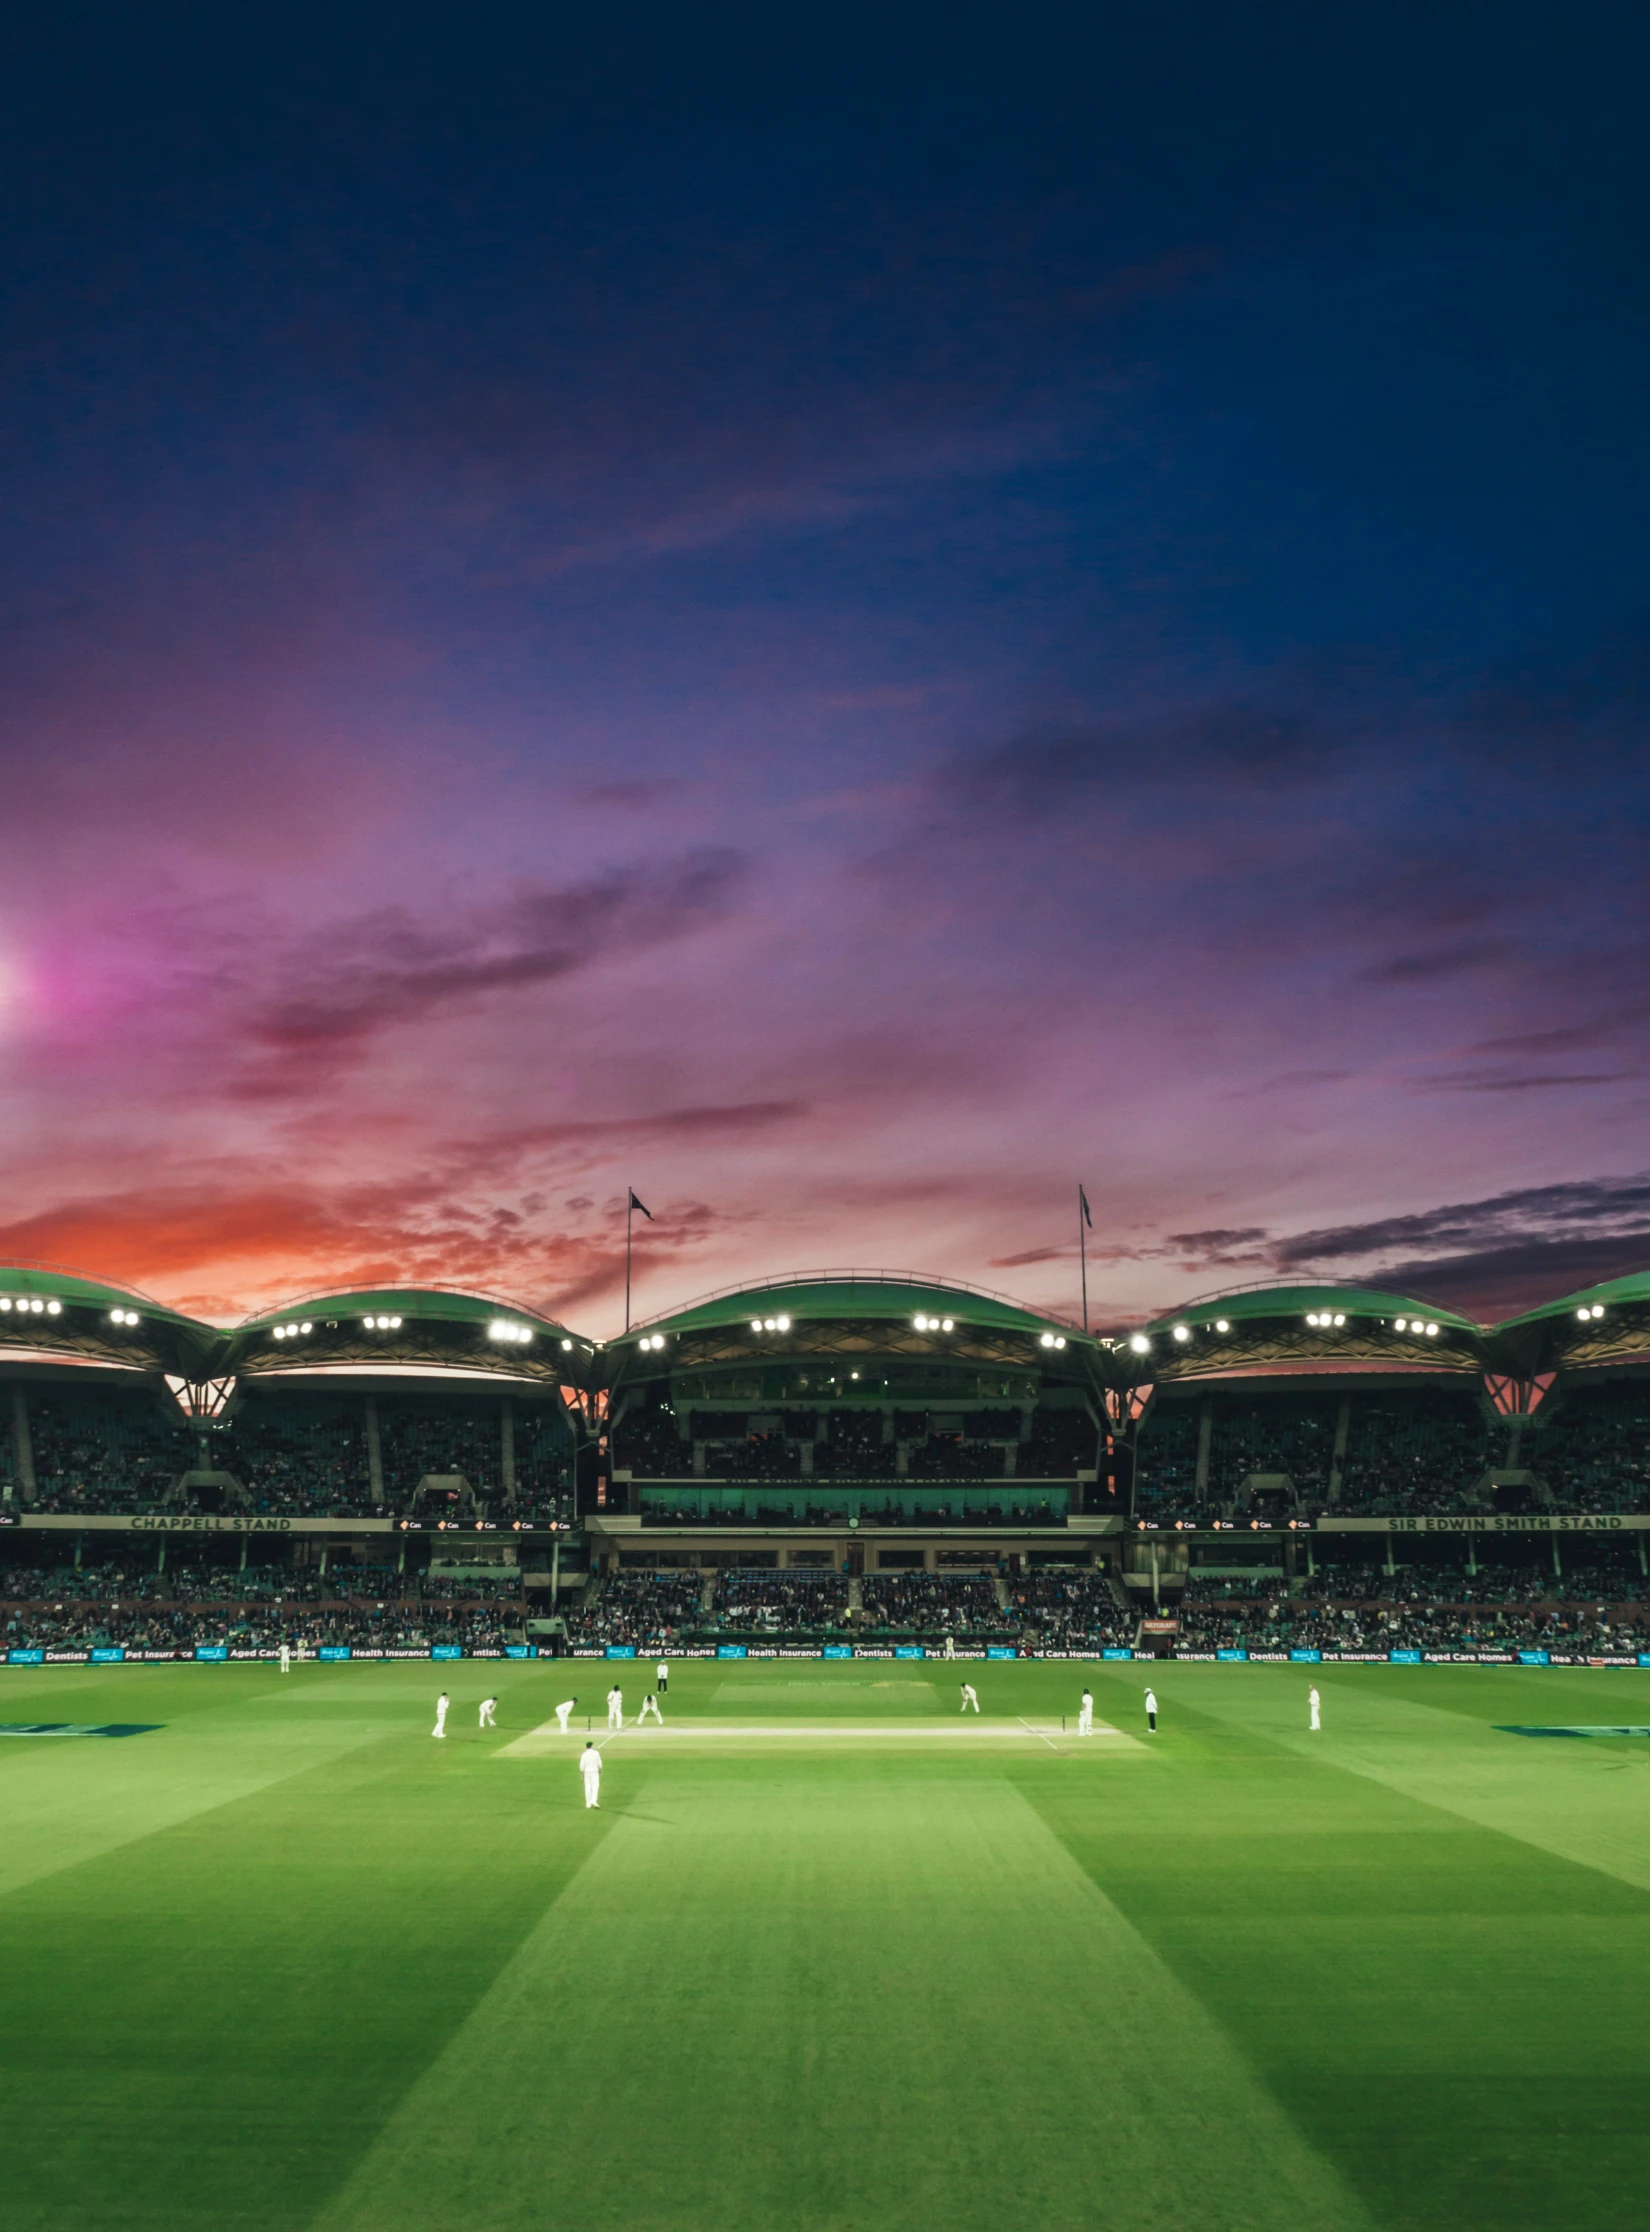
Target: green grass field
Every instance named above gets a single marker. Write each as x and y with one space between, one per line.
828 1958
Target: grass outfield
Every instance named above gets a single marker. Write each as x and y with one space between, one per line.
828 1959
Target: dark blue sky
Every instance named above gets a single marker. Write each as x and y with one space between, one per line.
846 620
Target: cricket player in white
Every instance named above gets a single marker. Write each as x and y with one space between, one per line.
970 1703
1312 1702
663 1678
440 1728
488 1707
1085 1715
1151 1711
615 1707
286 1658
564 1713
650 1705
590 1767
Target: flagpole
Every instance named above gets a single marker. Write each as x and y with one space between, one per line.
1083 1256
629 1212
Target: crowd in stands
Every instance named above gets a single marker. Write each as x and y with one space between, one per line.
755 1603
1593 1453
156 1626
1284 1625
1071 1612
1007 1507
645 1609
288 1455
847 1444
929 1604
1414 1452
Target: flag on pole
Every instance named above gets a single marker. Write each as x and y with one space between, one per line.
637 1203
1082 1202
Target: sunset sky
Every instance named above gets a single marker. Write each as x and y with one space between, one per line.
847 619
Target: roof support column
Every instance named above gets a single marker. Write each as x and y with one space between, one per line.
375 1453
1205 1434
22 1445
1337 1462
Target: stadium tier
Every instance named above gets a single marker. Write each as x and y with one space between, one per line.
869 1456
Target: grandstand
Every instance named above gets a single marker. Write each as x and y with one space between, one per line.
832 1456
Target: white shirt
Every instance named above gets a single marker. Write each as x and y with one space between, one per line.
1151 1702
664 1671
590 1766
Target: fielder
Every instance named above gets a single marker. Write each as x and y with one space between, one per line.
1085 1714
440 1728
488 1706
615 1707
650 1705
286 1658
590 1767
1151 1712
564 1713
1312 1704
663 1678
970 1703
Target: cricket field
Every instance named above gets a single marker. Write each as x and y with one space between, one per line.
831 1957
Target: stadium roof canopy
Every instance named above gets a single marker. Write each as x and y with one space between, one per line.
1301 1298
437 1305
1610 1293
839 1296
1604 1324
44 1282
1303 1325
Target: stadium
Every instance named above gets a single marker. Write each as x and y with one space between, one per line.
1093 1777
854 1459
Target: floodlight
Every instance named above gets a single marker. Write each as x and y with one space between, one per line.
1046 1340
1339 1318
1221 1326
1598 1309
782 1324
1139 1343
54 1309
1182 1332
756 1325
1401 1325
306 1327
1584 1312
1059 1340
567 1344
947 1325
5 1301
1432 1332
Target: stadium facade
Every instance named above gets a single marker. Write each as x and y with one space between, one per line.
819 1453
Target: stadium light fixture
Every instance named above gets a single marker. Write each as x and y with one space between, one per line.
756 1325
54 1309
567 1345
119 1316
1045 1340
1339 1318
1432 1332
1222 1325
1139 1343
502 1329
1400 1325
1182 1332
